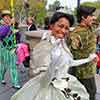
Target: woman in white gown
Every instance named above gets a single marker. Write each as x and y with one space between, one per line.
51 60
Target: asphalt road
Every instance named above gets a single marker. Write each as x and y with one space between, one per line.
97 78
6 91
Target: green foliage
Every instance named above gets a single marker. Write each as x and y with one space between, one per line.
98 19
40 16
93 4
4 4
36 8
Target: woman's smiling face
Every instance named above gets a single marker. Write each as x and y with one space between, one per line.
60 28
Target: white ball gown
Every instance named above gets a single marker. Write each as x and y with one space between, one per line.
52 82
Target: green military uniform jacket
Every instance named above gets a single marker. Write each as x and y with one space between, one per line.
83 42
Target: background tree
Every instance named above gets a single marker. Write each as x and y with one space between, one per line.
52 7
4 4
38 10
22 10
93 4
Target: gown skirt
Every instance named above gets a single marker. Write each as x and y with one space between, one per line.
39 88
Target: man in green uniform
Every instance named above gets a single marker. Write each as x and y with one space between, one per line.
83 42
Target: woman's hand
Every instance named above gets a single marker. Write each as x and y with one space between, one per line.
93 57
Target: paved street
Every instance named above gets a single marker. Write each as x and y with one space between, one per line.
98 87
6 91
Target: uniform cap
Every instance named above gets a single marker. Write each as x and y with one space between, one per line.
86 10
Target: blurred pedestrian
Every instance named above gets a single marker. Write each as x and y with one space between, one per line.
31 24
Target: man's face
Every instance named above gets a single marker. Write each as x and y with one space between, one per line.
29 20
7 20
89 20
60 28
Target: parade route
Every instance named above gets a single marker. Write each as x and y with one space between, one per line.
6 91
98 87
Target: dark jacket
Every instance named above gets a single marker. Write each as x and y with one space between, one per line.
33 27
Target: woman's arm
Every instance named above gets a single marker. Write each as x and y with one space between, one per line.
74 63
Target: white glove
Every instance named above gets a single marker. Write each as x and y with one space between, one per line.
92 56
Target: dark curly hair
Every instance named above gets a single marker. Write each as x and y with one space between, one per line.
57 15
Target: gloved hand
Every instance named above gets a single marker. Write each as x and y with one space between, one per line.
92 57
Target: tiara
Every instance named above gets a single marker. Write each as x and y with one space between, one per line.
64 10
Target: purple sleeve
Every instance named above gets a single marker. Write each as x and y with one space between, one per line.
4 30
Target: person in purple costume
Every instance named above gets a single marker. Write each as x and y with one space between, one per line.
7 57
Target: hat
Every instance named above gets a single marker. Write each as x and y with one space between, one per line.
63 12
5 12
86 10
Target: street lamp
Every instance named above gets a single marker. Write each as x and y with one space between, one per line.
78 6
78 3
